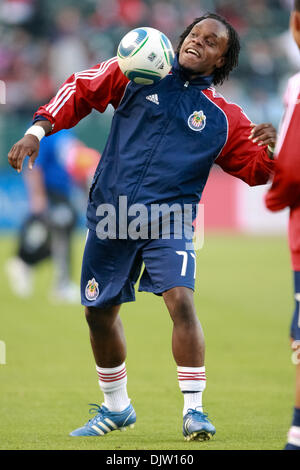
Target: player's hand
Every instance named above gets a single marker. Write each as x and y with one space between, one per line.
28 145
263 134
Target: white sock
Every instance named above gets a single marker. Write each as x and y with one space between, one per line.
113 383
192 401
294 436
192 383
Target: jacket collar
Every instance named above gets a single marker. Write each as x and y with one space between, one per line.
202 81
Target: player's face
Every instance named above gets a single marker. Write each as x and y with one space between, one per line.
203 49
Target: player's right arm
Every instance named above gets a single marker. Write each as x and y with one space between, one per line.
28 145
91 89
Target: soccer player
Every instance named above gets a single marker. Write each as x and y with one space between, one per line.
285 192
159 151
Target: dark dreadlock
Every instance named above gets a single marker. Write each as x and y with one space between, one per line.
232 54
297 5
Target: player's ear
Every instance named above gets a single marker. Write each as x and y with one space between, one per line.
220 62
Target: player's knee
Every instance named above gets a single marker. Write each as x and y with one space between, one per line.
99 318
181 305
91 317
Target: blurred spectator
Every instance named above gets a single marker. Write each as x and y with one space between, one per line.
131 12
16 11
68 52
165 17
48 229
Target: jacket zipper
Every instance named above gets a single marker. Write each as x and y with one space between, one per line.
136 189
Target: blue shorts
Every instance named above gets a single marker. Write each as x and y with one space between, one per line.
295 326
110 268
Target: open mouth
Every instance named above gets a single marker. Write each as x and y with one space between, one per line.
192 51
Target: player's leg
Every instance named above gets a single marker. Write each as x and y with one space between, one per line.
188 348
170 271
294 432
109 271
109 348
188 345
297 404
106 335
293 441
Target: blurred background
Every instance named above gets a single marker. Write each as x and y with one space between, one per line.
44 41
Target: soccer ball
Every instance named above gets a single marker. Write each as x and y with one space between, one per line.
145 55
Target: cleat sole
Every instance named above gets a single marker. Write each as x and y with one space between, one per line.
199 436
131 426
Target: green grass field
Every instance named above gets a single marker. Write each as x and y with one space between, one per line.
244 301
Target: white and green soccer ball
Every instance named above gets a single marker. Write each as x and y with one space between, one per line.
145 55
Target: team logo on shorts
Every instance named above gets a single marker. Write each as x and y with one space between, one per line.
197 121
92 290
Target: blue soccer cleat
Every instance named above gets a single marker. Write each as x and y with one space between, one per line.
197 427
106 421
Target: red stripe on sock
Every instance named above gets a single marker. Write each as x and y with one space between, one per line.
191 379
109 379
113 375
191 373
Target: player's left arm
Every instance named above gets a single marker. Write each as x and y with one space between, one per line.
247 153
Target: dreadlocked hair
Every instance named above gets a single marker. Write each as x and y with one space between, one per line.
233 50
